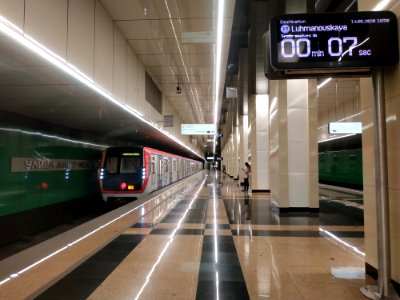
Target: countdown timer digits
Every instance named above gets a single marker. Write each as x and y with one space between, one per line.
334 40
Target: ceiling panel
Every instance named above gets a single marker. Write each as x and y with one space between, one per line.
30 86
155 31
157 46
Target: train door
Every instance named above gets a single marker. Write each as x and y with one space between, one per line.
153 173
159 172
178 170
170 170
165 171
174 170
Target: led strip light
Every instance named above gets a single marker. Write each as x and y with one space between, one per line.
221 4
17 34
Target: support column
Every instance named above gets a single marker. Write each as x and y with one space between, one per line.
392 107
278 144
243 110
230 157
235 154
243 145
294 164
234 138
258 109
258 99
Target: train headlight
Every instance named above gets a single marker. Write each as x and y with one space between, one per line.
101 173
143 173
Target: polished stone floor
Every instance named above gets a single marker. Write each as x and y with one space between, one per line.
210 240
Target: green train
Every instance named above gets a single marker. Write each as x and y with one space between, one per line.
340 162
44 176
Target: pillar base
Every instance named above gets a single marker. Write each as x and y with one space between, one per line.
373 272
296 211
260 191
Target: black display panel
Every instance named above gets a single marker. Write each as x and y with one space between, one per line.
333 40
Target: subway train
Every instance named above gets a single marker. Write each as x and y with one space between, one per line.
50 175
340 162
132 172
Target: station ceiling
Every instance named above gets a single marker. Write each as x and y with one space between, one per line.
175 41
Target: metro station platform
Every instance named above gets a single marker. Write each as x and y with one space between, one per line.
202 238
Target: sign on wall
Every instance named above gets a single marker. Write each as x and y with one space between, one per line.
345 127
333 40
198 129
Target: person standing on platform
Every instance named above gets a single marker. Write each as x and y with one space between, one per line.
247 172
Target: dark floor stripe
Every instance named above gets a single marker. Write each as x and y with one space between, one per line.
223 278
348 234
82 281
295 233
143 225
277 233
219 226
259 213
182 231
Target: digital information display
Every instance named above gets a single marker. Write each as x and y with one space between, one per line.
334 40
345 127
198 129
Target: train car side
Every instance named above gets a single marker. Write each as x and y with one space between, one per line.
154 169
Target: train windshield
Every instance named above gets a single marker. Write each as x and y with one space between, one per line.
122 162
111 164
130 164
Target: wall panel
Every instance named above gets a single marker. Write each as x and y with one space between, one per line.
80 47
103 59
13 11
120 67
49 29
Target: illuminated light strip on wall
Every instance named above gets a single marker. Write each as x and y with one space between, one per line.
324 82
381 5
346 118
28 42
221 4
337 138
55 137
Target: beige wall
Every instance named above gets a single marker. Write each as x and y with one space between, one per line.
293 143
392 101
343 104
83 34
259 139
278 161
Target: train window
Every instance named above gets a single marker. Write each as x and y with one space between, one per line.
153 168
130 164
112 164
